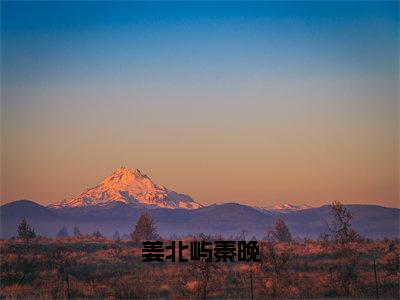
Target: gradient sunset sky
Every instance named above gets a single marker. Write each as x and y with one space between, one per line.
257 103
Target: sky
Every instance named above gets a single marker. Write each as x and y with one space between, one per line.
258 103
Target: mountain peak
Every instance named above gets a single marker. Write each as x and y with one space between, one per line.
290 207
129 187
125 170
123 173
122 169
283 208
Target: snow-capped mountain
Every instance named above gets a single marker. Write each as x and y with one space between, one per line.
129 187
283 208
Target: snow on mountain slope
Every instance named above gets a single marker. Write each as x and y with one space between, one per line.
129 187
283 208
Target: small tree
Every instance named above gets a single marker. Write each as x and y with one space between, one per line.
24 265
341 230
207 274
343 235
97 234
280 232
242 235
274 263
116 236
62 261
62 233
77 232
145 229
25 232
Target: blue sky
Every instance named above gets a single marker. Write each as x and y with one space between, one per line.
109 41
275 89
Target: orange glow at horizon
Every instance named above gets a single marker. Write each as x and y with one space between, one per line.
254 152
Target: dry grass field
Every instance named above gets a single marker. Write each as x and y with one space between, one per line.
101 268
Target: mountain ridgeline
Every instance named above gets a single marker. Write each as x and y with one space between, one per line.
117 202
226 219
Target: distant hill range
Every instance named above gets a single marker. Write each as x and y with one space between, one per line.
226 219
116 203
